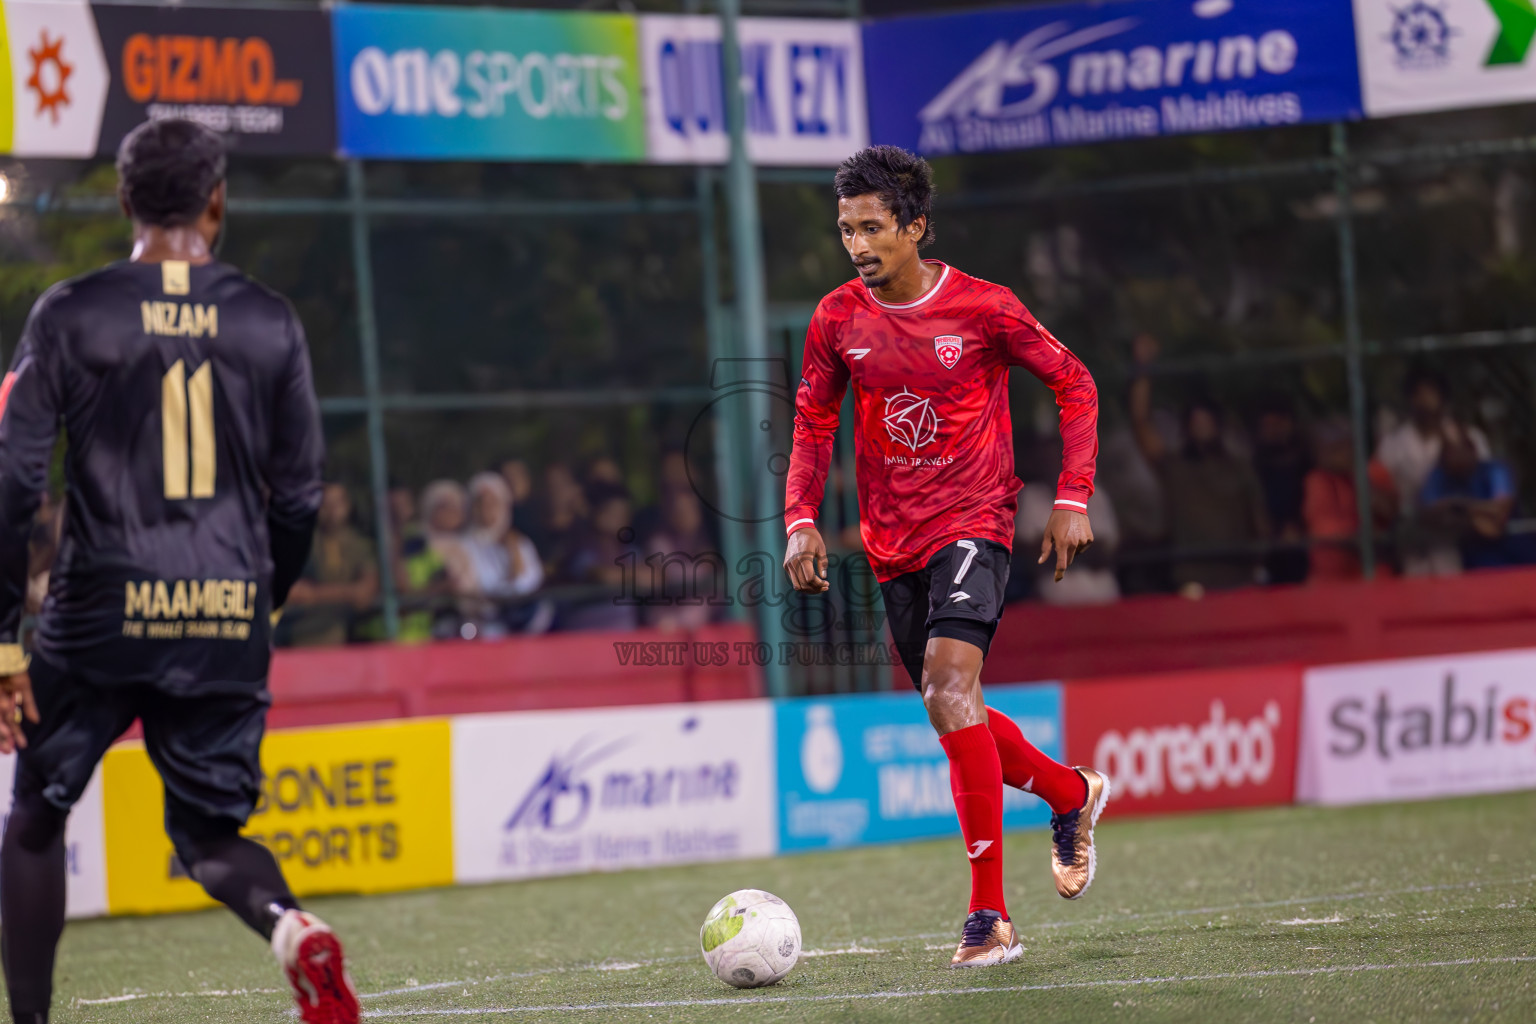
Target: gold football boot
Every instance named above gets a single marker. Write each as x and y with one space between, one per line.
988 940
1072 854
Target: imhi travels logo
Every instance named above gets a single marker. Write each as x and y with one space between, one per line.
911 420
49 80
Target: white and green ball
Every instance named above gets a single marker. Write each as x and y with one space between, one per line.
750 938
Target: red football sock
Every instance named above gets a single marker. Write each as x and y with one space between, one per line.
1024 767
976 778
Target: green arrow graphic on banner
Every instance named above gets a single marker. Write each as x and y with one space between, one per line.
1517 24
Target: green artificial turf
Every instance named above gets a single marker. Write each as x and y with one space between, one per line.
1409 912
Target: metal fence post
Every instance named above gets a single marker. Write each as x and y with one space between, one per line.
1353 354
751 340
368 337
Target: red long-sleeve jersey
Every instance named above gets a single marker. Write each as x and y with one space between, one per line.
932 433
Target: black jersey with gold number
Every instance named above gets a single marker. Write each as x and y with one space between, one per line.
192 473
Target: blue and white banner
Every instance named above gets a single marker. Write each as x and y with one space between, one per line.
869 768
803 80
1076 73
559 792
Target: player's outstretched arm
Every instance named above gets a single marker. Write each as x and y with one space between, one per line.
805 561
1067 533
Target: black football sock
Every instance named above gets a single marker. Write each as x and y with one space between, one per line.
243 876
32 873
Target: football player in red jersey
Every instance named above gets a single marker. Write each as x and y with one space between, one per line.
927 350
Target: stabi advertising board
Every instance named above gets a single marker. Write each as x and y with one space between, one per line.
803 80
1419 728
479 83
1071 74
559 792
869 768
261 77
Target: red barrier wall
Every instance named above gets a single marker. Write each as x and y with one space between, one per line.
561 670
1322 624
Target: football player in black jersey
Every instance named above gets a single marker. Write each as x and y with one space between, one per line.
193 479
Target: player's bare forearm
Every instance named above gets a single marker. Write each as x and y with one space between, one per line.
1068 534
805 560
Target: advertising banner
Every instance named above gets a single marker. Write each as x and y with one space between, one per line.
1443 55
478 83
85 852
262 77
558 792
804 80
1189 742
869 768
360 809
1419 728
1071 74
53 78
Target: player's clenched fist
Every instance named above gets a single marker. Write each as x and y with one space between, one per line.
806 561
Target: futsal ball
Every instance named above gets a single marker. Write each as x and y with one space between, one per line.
750 938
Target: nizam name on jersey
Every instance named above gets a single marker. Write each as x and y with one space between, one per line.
180 319
215 606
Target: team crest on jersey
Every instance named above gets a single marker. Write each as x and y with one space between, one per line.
911 420
947 347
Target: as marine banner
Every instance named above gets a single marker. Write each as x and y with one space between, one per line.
53 78
262 77
1070 74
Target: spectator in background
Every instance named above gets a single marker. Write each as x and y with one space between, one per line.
562 519
606 555
1281 462
1411 450
1332 514
519 481
683 564
445 507
604 469
1468 499
419 571
1213 498
1096 582
42 549
673 477
504 562
341 579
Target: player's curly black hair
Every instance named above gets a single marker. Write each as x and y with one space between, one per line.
168 169
903 181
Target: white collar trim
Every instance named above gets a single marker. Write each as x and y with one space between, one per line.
930 293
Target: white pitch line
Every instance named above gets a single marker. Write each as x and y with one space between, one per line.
884 940
665 1004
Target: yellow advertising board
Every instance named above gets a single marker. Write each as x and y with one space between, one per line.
359 809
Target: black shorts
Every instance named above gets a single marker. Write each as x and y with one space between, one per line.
206 748
958 594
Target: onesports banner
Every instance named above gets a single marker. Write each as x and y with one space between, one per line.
1078 73
1418 55
358 809
485 84
557 792
869 768
262 77
1190 741
803 81
1419 728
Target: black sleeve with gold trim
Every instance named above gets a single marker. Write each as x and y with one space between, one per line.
193 458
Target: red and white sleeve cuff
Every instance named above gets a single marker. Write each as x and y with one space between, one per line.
1072 504
792 527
